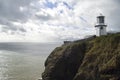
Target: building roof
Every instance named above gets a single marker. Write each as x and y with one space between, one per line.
100 15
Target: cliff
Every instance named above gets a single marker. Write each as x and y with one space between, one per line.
96 58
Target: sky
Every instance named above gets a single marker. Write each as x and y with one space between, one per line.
54 20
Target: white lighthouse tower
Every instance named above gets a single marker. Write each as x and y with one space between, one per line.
100 26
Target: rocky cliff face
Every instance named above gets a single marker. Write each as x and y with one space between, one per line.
90 59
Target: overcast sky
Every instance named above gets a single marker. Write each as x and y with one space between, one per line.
54 20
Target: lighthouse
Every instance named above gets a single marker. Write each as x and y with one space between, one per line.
100 26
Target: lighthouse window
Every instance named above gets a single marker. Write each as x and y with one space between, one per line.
101 19
101 27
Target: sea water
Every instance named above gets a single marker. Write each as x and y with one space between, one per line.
23 61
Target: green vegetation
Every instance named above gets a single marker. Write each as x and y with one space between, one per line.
102 61
96 58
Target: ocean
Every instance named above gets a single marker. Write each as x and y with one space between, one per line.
23 61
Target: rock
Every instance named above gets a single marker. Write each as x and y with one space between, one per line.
64 62
96 58
102 61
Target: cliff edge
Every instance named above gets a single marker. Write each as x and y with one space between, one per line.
96 58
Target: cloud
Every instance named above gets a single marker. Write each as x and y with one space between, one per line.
10 9
43 16
54 20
